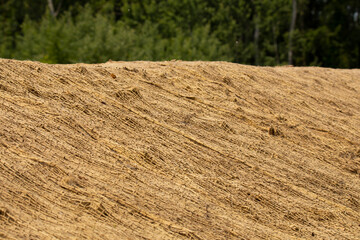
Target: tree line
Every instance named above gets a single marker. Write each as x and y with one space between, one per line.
259 32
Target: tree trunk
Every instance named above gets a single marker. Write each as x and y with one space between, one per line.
291 33
51 6
256 39
276 48
52 9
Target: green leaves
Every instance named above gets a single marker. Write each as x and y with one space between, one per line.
94 37
327 33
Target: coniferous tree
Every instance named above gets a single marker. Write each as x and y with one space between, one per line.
266 32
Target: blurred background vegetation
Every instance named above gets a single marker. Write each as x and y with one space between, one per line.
259 32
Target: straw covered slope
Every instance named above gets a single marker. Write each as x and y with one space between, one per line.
178 150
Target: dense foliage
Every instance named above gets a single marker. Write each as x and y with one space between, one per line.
325 33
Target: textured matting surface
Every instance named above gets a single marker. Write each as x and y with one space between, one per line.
178 150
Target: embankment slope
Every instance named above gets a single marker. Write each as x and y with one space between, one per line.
178 150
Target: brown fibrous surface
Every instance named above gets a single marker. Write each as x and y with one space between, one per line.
178 150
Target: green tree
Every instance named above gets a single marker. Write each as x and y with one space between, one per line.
326 33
